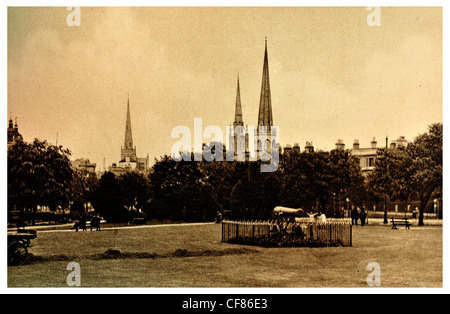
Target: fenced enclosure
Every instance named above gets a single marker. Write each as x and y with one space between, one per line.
302 232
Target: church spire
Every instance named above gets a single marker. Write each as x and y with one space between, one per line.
265 103
238 110
128 144
128 152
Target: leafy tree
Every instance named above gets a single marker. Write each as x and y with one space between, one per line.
181 191
295 189
426 176
38 174
82 189
319 176
412 173
255 193
135 189
392 174
108 200
429 145
221 178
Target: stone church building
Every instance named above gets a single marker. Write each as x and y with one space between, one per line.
129 162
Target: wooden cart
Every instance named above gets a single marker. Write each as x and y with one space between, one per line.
18 243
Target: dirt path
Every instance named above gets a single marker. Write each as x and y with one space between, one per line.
42 229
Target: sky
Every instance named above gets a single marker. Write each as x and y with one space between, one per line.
332 76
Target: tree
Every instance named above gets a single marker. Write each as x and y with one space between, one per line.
426 170
412 173
295 188
108 200
81 190
181 191
221 178
255 194
135 189
392 174
38 174
318 177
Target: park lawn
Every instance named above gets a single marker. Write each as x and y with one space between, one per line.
194 256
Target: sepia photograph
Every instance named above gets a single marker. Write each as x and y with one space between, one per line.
223 147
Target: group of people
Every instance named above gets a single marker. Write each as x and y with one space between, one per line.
82 223
358 215
281 226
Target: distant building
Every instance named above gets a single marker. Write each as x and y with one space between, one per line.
129 161
368 156
399 143
84 166
13 133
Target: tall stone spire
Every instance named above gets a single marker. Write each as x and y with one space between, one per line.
128 151
265 103
238 110
128 144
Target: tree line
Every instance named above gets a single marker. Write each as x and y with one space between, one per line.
41 174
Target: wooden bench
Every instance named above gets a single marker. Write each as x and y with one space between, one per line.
138 220
400 222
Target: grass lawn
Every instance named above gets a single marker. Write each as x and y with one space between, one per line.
194 256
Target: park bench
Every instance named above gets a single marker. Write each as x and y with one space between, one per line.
400 222
138 220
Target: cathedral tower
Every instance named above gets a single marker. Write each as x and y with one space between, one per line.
238 109
265 102
128 152
266 139
240 133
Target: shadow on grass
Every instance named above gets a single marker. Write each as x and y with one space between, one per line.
116 254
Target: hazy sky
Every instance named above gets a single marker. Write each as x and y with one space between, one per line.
331 75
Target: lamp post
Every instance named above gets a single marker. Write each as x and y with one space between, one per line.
385 201
348 206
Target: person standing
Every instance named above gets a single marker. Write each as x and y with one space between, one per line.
354 215
415 213
363 216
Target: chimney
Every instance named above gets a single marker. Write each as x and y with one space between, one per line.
340 145
373 143
287 149
355 144
309 148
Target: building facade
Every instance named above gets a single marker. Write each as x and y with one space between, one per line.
368 156
84 166
13 133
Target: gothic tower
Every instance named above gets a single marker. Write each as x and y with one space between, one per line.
265 102
238 109
265 110
240 133
13 133
128 152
